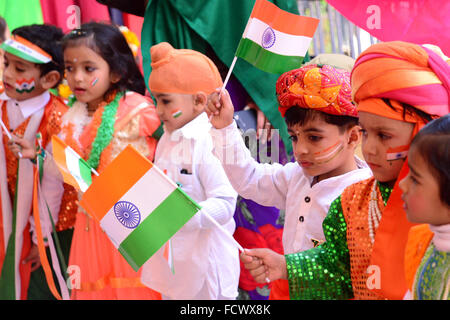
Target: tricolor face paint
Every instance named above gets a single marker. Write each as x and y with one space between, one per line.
176 114
94 82
328 154
25 85
397 153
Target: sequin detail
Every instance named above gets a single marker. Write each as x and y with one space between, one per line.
328 271
323 272
355 204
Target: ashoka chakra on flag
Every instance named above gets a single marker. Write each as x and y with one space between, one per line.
268 38
127 214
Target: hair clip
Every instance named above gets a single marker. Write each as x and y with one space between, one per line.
75 33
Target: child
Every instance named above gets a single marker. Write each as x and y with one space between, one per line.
205 261
426 193
363 256
322 123
106 115
33 65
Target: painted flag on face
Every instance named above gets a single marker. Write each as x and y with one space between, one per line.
275 40
137 206
397 153
74 169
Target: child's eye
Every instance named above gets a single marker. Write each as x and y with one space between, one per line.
314 138
413 180
293 138
20 70
90 69
363 132
384 136
69 69
165 101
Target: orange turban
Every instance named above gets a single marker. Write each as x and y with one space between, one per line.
181 71
405 72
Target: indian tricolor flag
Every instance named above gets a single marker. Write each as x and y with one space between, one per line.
74 169
137 206
26 50
274 40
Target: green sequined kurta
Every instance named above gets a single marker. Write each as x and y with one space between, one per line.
324 272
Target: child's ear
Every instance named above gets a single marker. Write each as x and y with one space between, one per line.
354 136
50 79
200 100
115 77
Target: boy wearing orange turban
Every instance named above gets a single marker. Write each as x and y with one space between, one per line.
322 122
398 87
205 261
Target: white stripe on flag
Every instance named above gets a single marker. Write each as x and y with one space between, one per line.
285 44
73 165
155 193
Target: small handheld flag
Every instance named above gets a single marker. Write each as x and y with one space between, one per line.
275 40
140 207
74 169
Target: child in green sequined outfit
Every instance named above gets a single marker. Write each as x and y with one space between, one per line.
366 229
426 192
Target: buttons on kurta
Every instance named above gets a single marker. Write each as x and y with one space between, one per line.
307 199
301 219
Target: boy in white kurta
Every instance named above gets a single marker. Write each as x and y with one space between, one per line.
205 261
322 123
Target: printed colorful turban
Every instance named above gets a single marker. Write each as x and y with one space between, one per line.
322 88
182 71
405 72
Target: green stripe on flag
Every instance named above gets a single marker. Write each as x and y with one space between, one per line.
85 171
20 54
265 59
158 228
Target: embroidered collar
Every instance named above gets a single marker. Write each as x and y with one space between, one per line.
30 106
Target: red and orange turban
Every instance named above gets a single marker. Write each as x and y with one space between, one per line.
321 88
182 71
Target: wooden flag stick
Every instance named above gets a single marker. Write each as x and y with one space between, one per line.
223 230
227 78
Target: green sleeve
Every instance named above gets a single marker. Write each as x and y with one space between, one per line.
323 272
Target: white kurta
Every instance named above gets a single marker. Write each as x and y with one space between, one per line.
52 189
285 187
206 261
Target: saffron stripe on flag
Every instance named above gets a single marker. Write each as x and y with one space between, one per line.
266 60
74 169
131 169
146 195
284 21
158 228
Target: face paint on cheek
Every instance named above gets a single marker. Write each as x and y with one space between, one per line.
329 153
25 85
176 114
94 82
397 153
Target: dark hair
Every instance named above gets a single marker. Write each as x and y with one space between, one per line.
108 42
48 38
433 145
407 108
3 26
296 115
